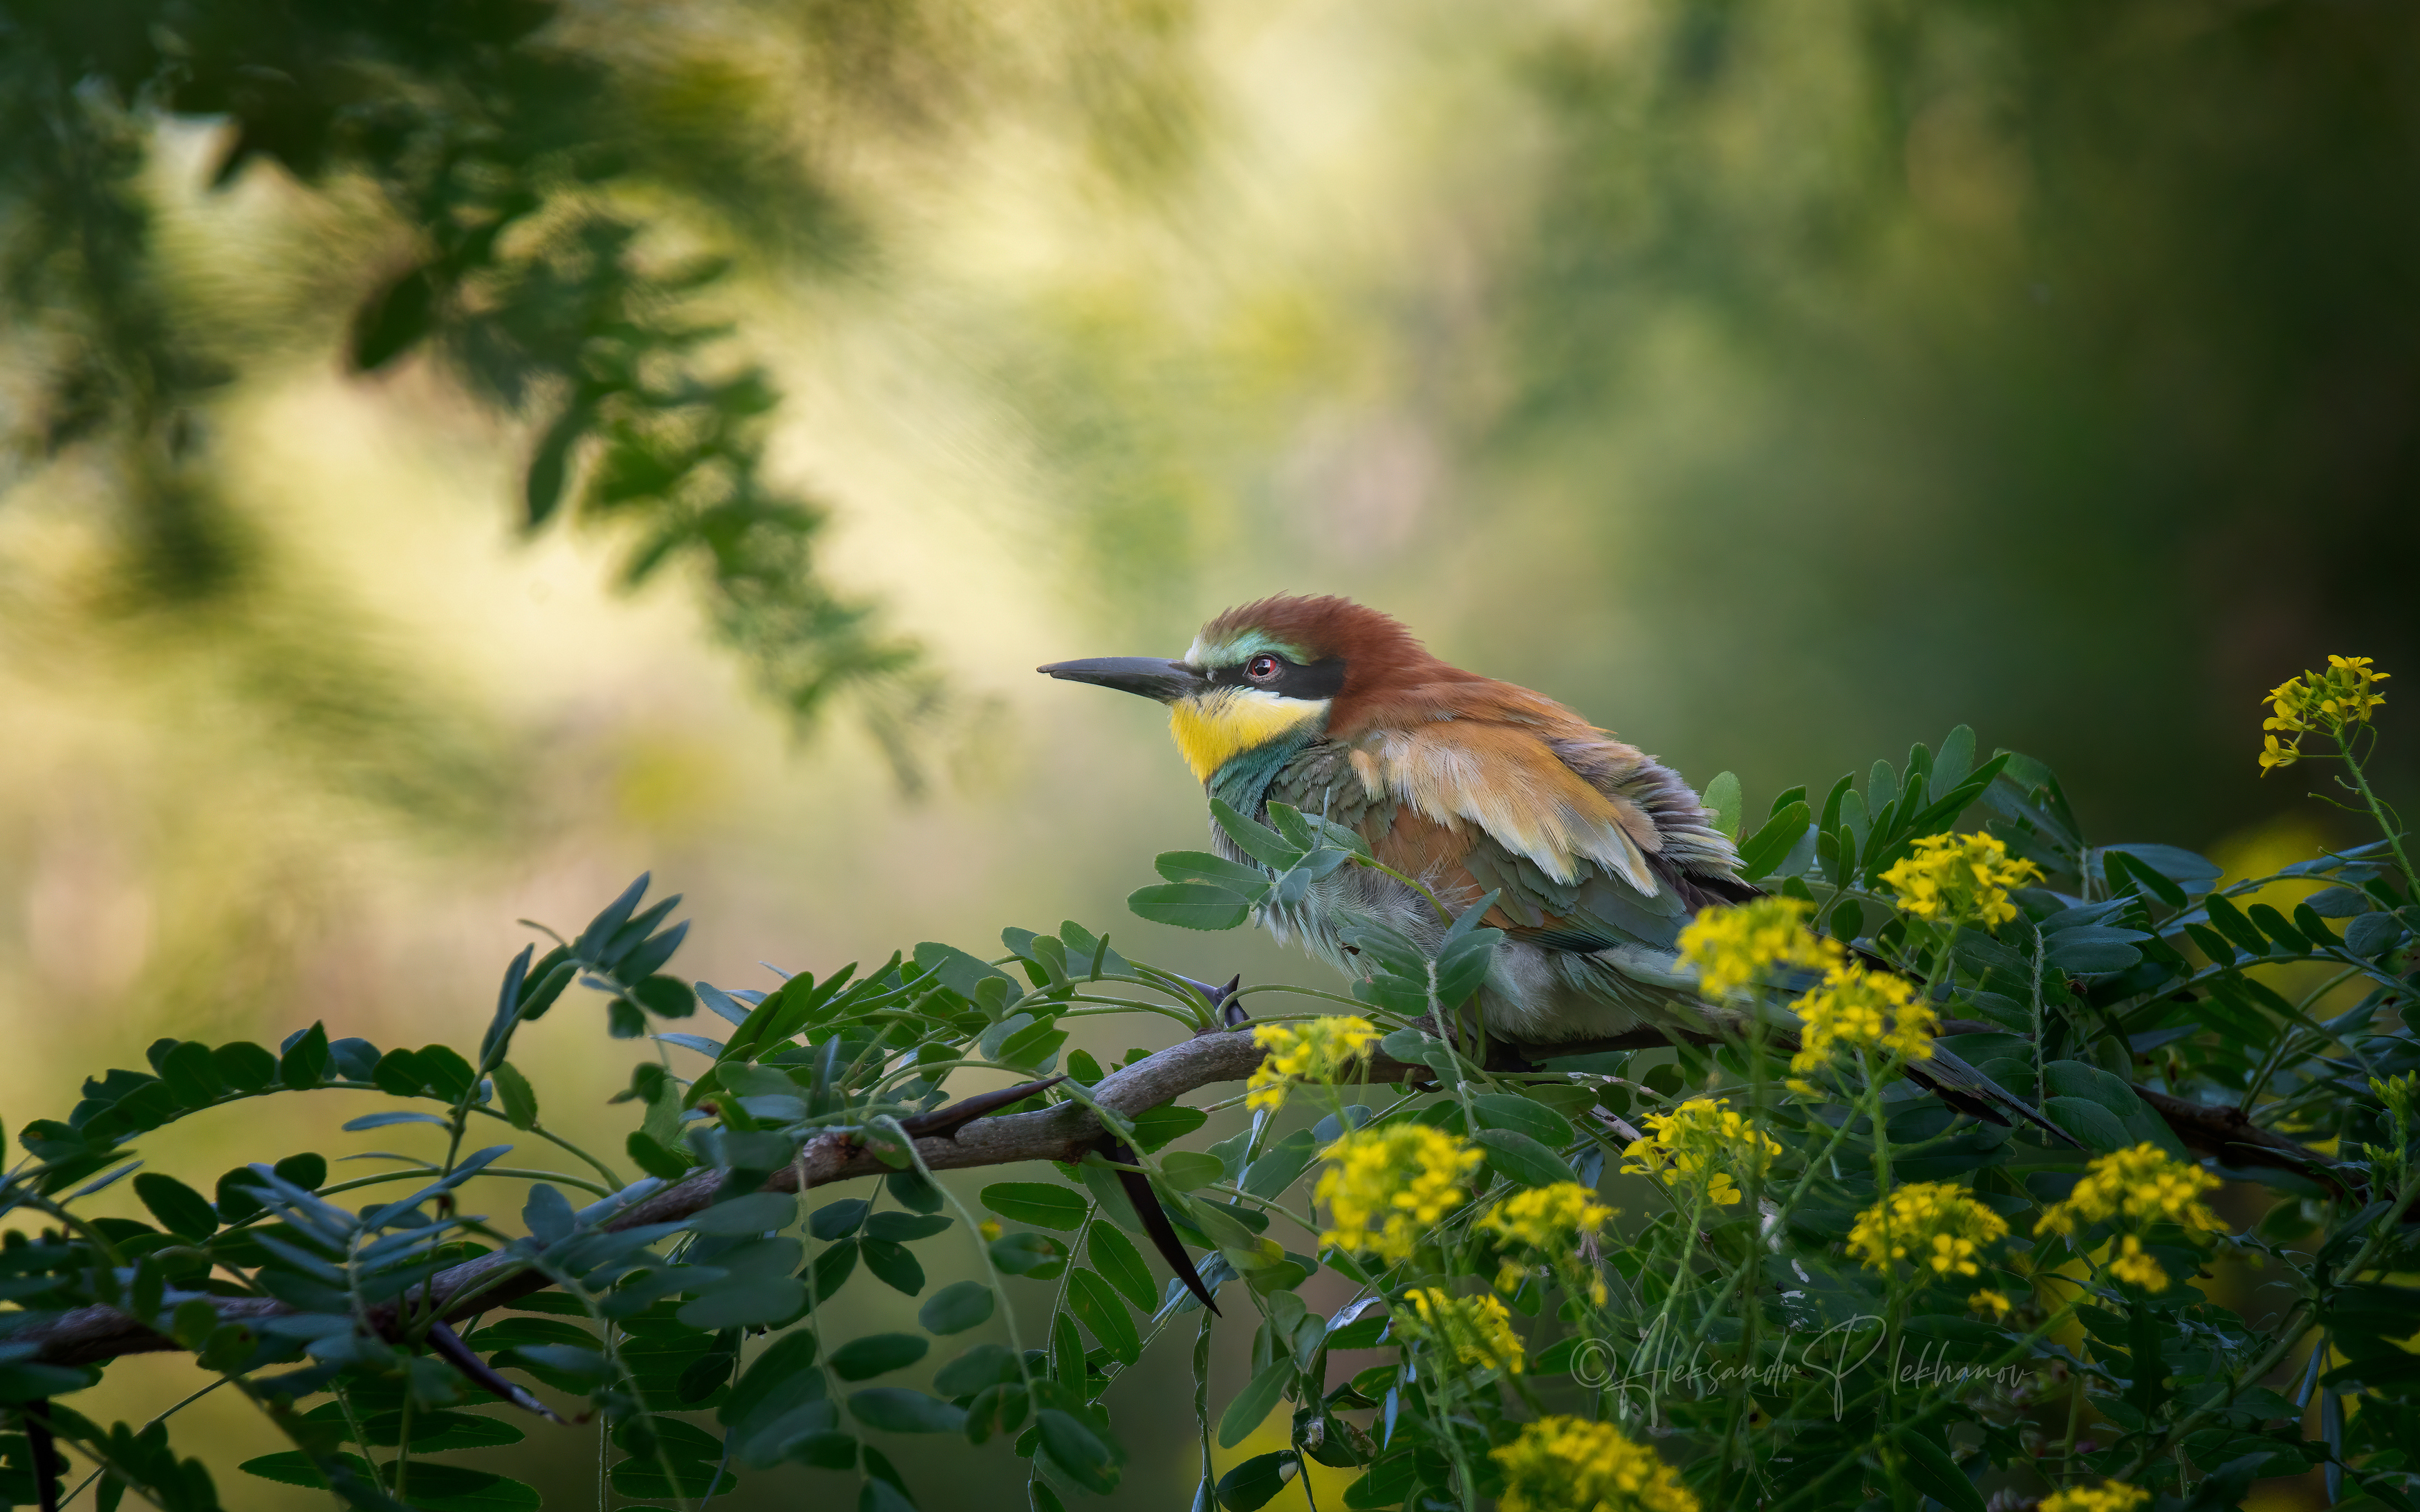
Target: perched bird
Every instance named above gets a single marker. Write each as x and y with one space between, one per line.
1597 853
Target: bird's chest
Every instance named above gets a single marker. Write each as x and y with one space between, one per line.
1319 913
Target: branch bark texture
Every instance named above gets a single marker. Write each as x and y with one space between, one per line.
89 1334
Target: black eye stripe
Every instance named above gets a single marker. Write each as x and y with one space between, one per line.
1322 679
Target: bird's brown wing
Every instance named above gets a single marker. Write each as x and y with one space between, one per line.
1471 807
1506 781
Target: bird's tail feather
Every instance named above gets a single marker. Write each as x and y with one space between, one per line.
1945 1074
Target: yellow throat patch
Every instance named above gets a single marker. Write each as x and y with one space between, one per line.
1214 728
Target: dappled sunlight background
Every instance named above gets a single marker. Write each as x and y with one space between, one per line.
1775 394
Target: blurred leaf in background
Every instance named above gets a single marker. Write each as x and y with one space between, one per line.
2067 351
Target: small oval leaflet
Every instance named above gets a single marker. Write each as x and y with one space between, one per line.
956 1307
1035 1202
1520 1158
877 1355
898 1409
1189 905
755 1213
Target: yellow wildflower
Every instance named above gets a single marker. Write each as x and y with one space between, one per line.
1705 1142
1738 946
2332 702
1477 1329
2401 1095
2142 1185
1860 1010
1319 1050
1551 1218
989 1228
1386 1186
1960 879
2132 1263
2109 1496
1935 1225
1509 1278
2132 1189
1569 1464
1994 1303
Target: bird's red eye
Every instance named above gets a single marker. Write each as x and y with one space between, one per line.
1260 668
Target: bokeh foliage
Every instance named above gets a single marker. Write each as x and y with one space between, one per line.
540 196
2066 349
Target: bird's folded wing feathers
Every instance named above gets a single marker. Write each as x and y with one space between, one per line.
1510 784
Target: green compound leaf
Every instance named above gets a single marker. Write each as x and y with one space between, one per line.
745 1301
898 1409
1214 870
294 1468
1154 1127
877 1355
1520 1158
1072 1444
1036 1256
1189 905
1187 1170
905 1227
2089 1122
834 1268
1035 1202
180 1210
956 1307
1096 1304
1252 1404
1253 1483
894 1265
1522 1114
1771 845
1937 1475
755 1213
986 1364
1723 796
1120 1263
436 1486
520 1100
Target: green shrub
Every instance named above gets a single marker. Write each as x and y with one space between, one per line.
1832 1286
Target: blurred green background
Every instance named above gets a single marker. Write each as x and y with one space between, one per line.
1777 383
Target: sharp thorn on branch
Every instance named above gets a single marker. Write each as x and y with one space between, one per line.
1154 1219
449 1348
42 1449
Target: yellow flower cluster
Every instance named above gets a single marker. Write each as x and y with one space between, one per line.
2333 701
2132 1189
1569 1464
1477 1329
1550 1218
2109 1496
1994 1303
1386 1186
1739 945
1705 1142
1859 1010
1319 1050
1933 1224
1960 879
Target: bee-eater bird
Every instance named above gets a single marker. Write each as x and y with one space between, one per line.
1597 853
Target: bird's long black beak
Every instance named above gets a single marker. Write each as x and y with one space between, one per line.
1166 681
